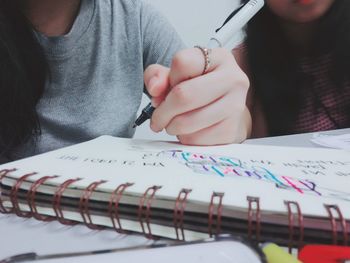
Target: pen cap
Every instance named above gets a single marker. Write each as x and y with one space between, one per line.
237 22
275 254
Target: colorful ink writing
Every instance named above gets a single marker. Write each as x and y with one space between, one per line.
227 167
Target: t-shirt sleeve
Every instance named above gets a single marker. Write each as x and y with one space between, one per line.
160 39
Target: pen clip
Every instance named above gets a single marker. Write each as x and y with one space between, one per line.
232 15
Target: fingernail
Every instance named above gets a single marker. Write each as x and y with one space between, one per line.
155 103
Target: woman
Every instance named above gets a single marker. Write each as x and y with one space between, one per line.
298 59
72 70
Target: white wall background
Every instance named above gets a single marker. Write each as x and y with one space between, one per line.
195 21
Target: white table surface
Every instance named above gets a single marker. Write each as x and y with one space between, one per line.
18 235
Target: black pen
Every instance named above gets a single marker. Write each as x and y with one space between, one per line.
145 115
235 22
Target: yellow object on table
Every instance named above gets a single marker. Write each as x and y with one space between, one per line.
275 254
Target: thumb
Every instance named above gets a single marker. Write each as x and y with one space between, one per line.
157 82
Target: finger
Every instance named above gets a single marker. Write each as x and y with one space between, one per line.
196 93
156 78
224 132
190 63
187 96
190 122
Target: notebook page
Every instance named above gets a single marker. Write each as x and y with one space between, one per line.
312 177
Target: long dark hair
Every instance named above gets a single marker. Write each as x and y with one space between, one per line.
23 71
273 62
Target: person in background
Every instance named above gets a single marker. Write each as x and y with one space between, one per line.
297 57
72 70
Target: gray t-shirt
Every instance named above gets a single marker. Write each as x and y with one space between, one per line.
96 72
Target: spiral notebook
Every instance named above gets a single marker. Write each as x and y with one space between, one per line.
291 196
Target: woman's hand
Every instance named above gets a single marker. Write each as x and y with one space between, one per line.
200 109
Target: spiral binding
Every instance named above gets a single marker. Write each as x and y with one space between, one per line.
31 199
3 209
144 215
334 224
218 209
291 219
84 205
113 207
295 216
179 210
56 204
251 227
14 197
